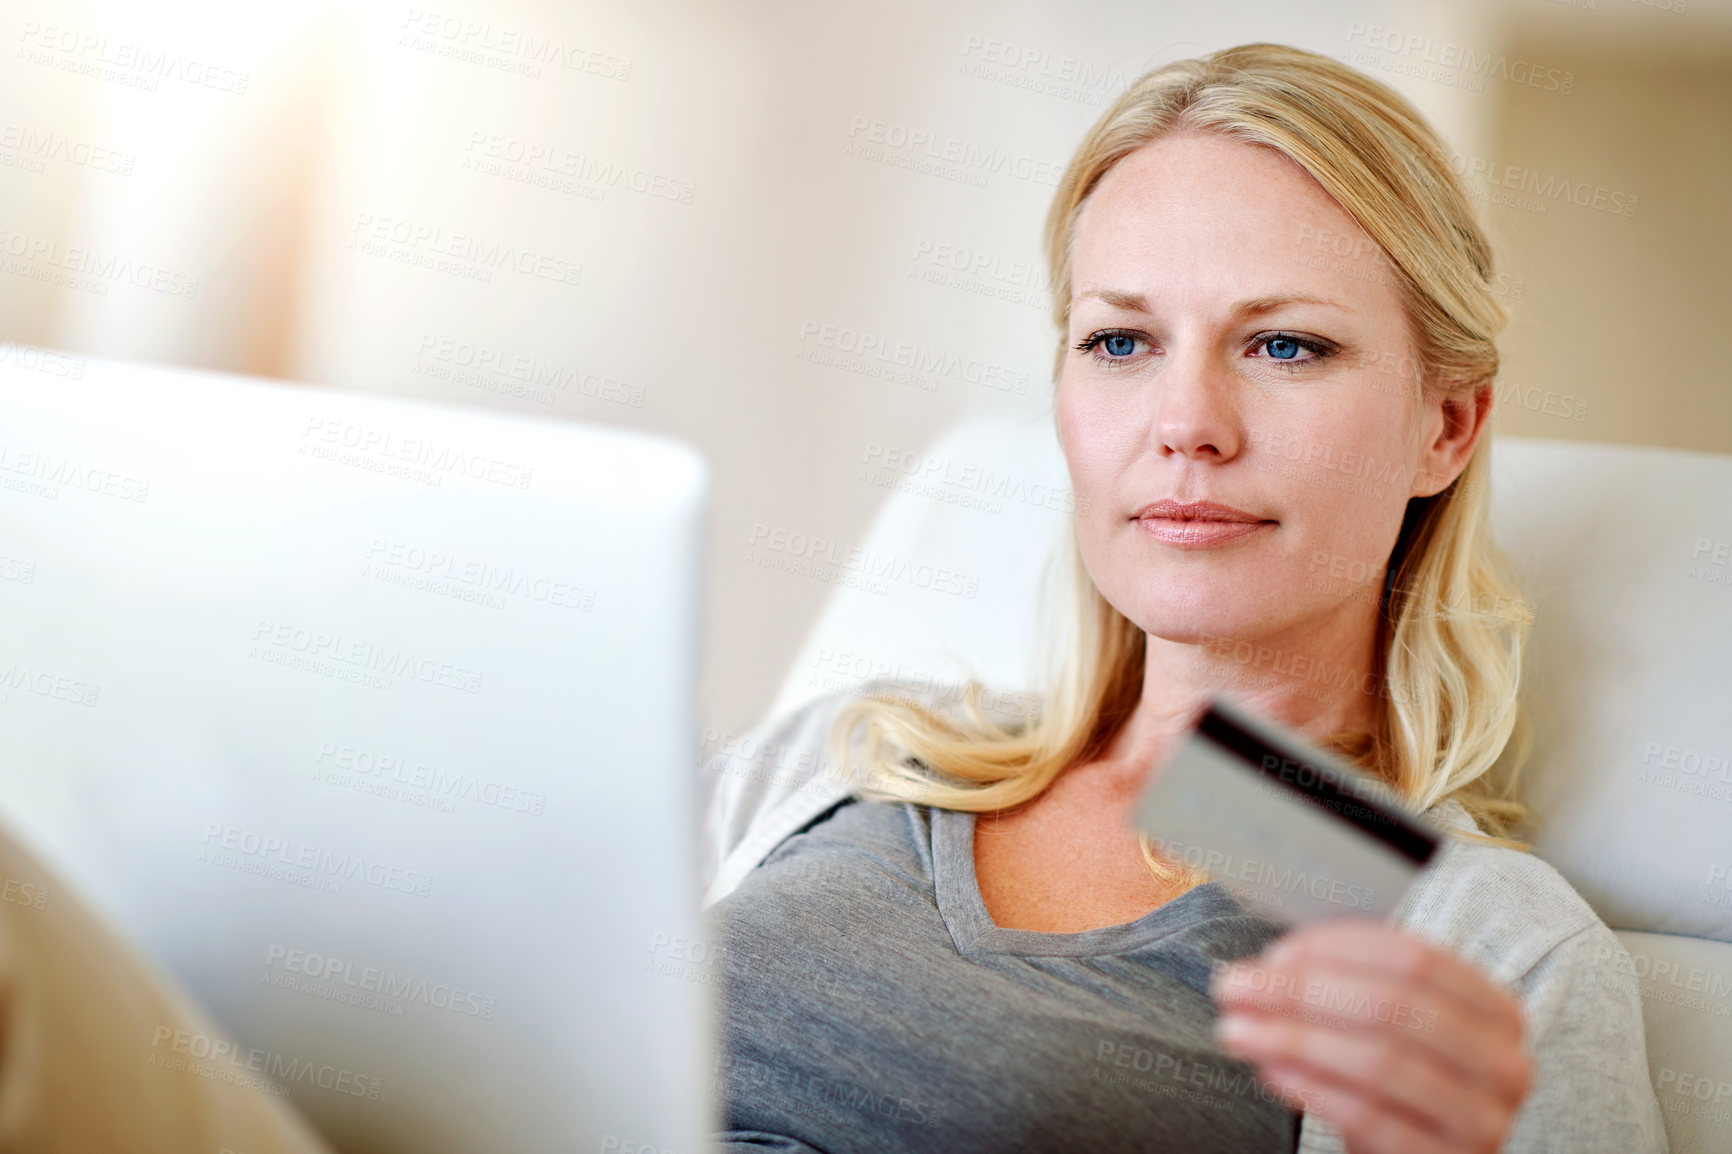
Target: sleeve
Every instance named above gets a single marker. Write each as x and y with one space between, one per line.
1591 1092
751 773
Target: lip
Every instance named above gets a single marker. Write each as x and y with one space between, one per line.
1195 511
1197 524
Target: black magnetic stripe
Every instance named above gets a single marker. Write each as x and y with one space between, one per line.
1393 828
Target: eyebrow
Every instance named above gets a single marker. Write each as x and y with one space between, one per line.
1255 306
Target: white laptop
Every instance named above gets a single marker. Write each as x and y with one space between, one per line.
372 721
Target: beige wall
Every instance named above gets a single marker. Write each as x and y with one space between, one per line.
1619 335
705 311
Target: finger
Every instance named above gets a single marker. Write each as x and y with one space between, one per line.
1474 1048
1364 1125
1321 992
1403 1080
1292 1085
1360 944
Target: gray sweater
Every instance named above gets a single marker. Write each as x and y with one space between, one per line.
869 1004
1507 911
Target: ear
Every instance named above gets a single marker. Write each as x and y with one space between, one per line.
1450 427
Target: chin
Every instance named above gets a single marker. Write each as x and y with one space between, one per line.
1201 620
1223 635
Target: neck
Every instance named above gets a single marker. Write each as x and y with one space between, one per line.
1315 678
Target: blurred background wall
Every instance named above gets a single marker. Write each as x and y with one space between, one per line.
692 217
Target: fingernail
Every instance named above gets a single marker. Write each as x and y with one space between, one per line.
1235 1028
1280 952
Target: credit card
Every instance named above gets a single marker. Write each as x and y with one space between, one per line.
1288 828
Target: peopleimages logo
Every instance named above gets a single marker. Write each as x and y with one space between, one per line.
1545 187
514 49
868 563
50 361
280 642
1460 59
1038 70
328 975
206 1051
54 471
223 842
138 65
37 146
554 160
386 445
921 359
483 575
44 683
938 153
93 268
424 245
1267 881
374 771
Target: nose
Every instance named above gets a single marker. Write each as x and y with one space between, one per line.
1195 411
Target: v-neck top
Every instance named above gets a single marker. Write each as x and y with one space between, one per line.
957 888
867 1002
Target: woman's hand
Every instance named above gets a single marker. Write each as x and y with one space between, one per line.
1402 1046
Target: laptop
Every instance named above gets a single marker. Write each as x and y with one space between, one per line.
372 722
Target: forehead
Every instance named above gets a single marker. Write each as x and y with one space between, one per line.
1199 213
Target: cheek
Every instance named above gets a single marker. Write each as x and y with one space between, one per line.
1345 485
1074 441
1094 436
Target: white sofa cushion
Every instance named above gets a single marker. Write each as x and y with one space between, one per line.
1624 553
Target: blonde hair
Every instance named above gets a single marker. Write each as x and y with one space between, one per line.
1451 626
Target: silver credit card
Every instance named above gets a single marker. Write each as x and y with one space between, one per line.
1288 828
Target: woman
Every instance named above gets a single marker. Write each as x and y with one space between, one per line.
1275 366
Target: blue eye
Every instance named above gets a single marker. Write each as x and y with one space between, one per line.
1119 346
1114 348
1285 348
